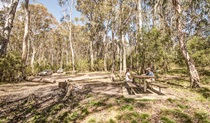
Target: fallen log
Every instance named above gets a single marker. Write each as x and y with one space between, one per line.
48 80
33 79
69 80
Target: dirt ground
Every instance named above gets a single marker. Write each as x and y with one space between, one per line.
101 81
90 89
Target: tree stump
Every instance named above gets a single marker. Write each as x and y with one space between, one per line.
63 85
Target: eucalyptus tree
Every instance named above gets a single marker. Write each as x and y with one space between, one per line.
8 24
183 20
41 23
96 16
67 16
194 77
25 38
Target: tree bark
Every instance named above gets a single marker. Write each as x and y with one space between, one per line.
113 50
113 41
70 39
33 57
8 27
105 56
194 76
91 55
140 16
124 54
25 38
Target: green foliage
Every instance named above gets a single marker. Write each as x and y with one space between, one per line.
202 117
97 103
128 116
133 117
128 100
166 120
154 48
99 64
178 115
74 115
140 105
111 121
205 92
93 120
10 67
144 116
58 107
127 107
199 50
82 65
182 106
171 100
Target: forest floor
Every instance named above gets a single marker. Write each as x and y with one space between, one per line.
94 98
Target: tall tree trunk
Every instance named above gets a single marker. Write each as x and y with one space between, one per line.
70 39
113 41
121 39
139 16
32 58
121 59
67 57
105 56
91 55
194 76
124 54
25 38
139 29
72 51
52 54
142 60
52 59
113 50
61 62
8 27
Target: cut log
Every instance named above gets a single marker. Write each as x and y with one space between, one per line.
33 79
69 80
47 80
30 78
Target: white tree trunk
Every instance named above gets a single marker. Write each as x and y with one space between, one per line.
91 56
194 76
8 27
140 15
124 54
32 58
25 38
105 57
70 37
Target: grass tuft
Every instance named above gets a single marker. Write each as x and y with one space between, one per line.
166 120
127 107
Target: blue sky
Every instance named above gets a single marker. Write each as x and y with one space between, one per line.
54 8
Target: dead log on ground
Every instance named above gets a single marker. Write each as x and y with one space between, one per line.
48 80
33 79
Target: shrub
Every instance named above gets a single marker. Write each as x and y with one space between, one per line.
10 67
99 64
82 65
